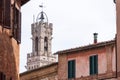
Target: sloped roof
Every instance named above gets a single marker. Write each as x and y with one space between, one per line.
40 68
24 1
87 47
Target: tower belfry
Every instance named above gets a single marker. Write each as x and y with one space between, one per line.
41 43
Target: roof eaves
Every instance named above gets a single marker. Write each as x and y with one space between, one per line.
27 72
91 46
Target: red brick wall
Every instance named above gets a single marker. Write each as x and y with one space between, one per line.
9 55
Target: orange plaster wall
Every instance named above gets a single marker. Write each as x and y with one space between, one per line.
82 61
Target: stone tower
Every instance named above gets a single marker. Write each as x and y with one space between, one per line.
41 43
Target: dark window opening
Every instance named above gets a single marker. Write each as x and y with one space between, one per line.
93 60
71 69
10 78
1 11
36 45
2 76
5 13
45 43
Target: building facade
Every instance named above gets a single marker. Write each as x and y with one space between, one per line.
92 62
10 38
41 43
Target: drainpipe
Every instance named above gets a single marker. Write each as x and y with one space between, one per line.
116 53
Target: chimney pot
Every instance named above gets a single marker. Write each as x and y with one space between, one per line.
95 37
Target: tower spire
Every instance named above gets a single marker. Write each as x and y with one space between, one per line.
42 17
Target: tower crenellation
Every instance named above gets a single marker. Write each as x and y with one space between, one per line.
41 53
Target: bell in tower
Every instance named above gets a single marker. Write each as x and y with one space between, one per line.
42 16
41 54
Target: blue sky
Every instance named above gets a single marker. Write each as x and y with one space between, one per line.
74 22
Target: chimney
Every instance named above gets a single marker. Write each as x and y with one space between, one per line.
95 37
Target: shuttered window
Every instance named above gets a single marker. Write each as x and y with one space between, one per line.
71 69
16 30
7 13
1 12
93 60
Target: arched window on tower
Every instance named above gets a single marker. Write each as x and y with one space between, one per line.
36 45
45 43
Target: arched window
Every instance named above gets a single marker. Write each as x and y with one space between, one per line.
45 43
36 45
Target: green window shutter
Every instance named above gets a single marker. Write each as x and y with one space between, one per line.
96 64
93 62
91 65
71 69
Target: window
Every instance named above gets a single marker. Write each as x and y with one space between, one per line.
2 76
93 60
16 26
5 13
36 45
10 78
71 69
1 11
45 43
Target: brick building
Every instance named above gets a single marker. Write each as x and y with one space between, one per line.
47 72
95 61
10 38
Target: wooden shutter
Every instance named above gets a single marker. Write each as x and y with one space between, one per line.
96 64
91 65
71 69
93 62
19 28
16 30
7 13
1 11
